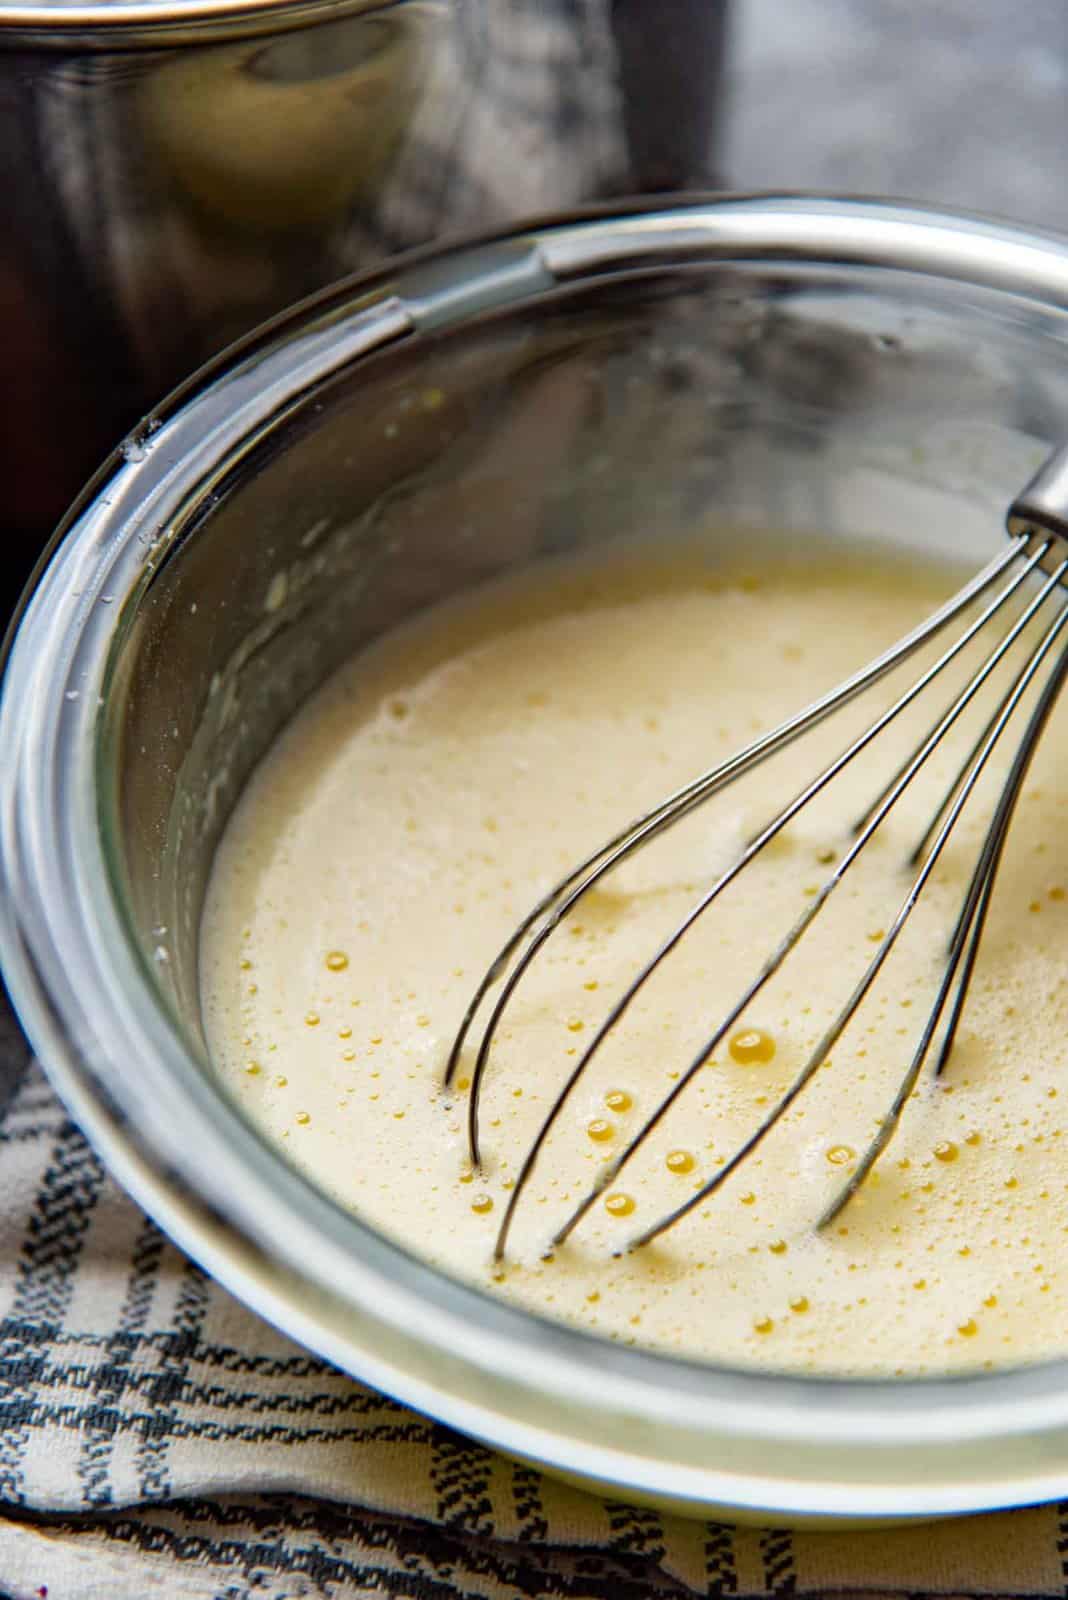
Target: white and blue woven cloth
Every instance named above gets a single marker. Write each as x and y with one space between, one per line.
158 1438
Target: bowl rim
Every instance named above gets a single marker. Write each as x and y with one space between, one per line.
694 1435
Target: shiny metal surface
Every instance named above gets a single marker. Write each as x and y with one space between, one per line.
1043 504
176 171
807 364
540 925
1037 522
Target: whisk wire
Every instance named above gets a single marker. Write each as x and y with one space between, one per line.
964 946
826 1044
998 835
611 1171
919 850
569 891
845 1016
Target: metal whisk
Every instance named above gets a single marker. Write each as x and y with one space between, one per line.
1037 525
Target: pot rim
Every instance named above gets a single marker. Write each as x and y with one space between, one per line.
698 1436
147 24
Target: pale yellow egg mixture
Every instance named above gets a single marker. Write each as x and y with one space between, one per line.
419 806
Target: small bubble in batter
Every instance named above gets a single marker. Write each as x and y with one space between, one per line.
749 1045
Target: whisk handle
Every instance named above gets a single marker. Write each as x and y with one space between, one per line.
1042 507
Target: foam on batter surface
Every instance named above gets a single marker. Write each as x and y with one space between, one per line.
417 808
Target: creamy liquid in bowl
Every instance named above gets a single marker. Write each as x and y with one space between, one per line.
419 806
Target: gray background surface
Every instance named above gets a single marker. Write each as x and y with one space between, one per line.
962 102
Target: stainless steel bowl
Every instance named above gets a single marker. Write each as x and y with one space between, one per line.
812 364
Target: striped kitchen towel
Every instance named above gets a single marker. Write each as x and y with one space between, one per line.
156 1437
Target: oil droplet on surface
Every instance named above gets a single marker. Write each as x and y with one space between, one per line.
600 1129
973 1138
763 1324
750 1045
679 1161
312 1019
969 1329
337 960
576 1025
777 1247
481 1204
303 1117
618 1100
619 1205
799 1303
840 1154
281 1081
946 1150
748 1198
252 1068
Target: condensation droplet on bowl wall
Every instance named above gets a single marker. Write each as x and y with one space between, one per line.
161 955
72 694
276 592
314 533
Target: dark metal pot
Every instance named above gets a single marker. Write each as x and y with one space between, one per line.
176 171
